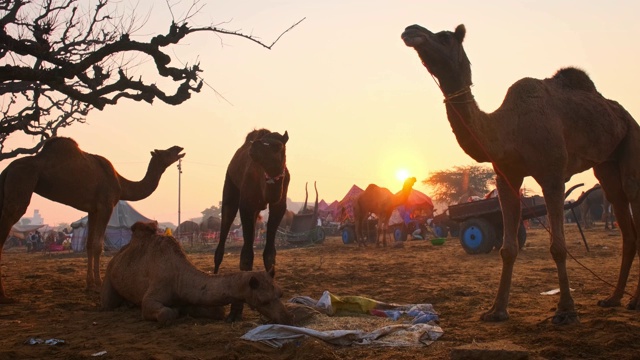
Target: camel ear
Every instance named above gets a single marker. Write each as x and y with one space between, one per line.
272 272
254 283
285 137
461 31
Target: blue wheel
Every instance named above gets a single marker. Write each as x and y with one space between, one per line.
440 231
399 233
477 236
348 235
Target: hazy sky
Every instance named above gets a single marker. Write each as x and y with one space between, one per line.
357 103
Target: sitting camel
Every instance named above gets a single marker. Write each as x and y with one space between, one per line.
287 219
381 202
153 272
257 176
63 173
550 130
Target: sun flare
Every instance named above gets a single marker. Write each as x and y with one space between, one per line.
402 174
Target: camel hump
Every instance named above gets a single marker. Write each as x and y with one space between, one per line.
59 143
575 79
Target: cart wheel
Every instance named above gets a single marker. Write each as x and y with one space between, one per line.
454 230
522 237
348 235
440 231
400 233
319 235
477 236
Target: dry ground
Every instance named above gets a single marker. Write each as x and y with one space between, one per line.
53 303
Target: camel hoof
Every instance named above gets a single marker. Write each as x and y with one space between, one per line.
607 303
565 318
495 316
633 305
233 318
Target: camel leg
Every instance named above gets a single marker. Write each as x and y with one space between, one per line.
609 177
248 218
553 192
230 202
109 297
385 225
15 195
510 203
379 231
153 310
276 213
98 221
357 216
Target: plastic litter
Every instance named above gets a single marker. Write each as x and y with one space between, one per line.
35 341
99 353
553 292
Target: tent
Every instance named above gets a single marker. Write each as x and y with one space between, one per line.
416 201
346 204
331 209
118 233
21 231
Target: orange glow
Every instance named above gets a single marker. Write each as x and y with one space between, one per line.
402 174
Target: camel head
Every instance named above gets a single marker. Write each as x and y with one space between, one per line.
269 151
144 229
264 296
165 158
408 183
443 56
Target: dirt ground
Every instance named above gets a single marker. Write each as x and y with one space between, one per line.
52 303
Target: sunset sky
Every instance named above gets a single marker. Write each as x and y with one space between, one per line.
358 105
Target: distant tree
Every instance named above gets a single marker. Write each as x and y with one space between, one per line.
60 59
450 185
212 211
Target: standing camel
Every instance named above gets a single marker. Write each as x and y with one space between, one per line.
594 204
380 201
257 176
549 129
63 173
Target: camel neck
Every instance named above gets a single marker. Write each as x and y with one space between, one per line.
138 190
469 125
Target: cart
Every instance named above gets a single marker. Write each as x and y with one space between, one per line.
304 228
480 222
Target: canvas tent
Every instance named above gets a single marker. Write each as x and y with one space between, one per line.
346 203
416 201
118 232
21 231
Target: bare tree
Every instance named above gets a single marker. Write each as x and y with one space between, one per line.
450 185
59 61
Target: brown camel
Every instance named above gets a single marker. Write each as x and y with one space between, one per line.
153 272
63 173
257 176
549 129
594 204
287 219
211 223
381 202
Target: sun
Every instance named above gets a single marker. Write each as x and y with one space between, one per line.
402 174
